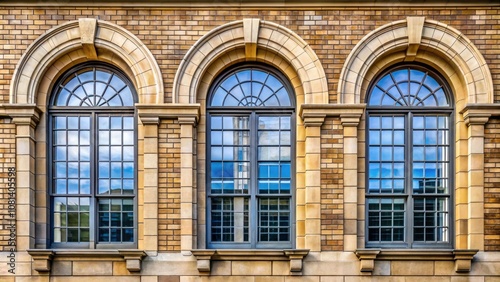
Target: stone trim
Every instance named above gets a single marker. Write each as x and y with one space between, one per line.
268 39
42 258
444 41
331 110
271 5
73 35
295 256
169 111
88 28
314 115
462 258
188 116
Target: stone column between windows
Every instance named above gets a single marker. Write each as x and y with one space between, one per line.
350 125
149 200
313 116
475 194
313 182
187 183
26 120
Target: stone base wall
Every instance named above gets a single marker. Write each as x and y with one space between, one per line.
318 267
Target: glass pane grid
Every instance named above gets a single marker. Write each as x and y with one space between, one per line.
386 154
230 219
274 219
94 87
431 219
408 87
386 220
274 155
116 220
431 155
251 88
230 155
71 219
71 155
116 155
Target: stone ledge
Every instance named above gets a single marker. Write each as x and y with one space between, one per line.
462 258
42 258
295 256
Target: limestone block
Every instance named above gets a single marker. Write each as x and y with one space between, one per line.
251 268
94 267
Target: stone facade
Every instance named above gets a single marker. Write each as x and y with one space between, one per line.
173 52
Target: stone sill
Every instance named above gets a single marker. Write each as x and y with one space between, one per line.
295 256
42 258
462 258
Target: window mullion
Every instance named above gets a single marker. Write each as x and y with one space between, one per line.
254 211
93 173
409 186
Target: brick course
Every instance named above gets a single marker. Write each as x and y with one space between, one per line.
169 188
492 185
332 186
169 33
332 34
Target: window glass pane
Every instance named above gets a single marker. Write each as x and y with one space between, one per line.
386 219
251 88
115 218
71 219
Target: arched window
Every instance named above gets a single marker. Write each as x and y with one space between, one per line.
409 160
250 160
92 159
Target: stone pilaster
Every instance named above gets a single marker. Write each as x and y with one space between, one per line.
188 195
149 200
26 118
475 194
313 182
350 124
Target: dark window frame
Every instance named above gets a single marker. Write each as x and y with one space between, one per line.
253 113
93 113
408 112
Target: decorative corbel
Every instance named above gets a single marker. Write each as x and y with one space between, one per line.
367 259
133 259
42 259
203 258
296 260
463 259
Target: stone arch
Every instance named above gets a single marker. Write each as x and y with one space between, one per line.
83 40
251 40
426 41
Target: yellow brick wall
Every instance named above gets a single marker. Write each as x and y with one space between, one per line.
169 190
169 33
332 186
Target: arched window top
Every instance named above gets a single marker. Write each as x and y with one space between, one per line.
251 87
409 86
93 86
